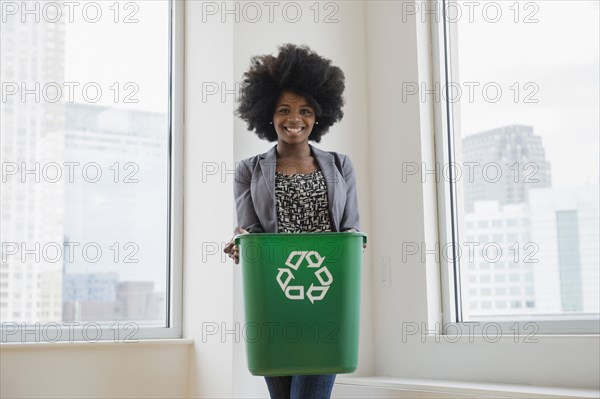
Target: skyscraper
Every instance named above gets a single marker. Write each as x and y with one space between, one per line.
547 237
564 224
508 162
32 55
499 279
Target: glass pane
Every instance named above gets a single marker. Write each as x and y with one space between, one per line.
529 112
84 131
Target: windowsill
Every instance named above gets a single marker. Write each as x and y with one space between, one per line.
522 338
99 344
464 387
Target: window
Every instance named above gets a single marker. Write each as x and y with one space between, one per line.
90 218
504 121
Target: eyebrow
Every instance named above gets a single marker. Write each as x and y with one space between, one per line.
287 105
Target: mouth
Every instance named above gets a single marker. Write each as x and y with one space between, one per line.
294 129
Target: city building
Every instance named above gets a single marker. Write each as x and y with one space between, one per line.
564 225
505 163
31 206
535 247
497 259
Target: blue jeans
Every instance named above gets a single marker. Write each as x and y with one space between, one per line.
301 386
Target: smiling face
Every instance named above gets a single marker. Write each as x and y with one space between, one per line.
293 118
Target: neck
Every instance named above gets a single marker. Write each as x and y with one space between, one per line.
300 150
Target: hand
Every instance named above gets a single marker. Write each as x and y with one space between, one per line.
233 250
353 230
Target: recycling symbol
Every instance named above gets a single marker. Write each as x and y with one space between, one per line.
312 260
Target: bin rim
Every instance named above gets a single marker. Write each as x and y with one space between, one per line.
238 237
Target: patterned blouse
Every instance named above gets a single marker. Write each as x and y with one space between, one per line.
302 204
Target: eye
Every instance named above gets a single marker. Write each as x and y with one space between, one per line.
306 111
283 110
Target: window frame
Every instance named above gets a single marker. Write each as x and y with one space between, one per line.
451 217
87 331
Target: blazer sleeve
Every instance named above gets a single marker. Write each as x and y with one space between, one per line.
244 206
350 217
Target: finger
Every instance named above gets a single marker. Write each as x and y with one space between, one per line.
230 244
239 230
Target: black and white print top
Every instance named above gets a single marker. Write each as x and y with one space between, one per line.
302 204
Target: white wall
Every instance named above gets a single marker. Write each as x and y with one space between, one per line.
343 43
217 53
94 370
208 217
405 212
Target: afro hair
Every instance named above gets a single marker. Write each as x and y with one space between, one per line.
297 69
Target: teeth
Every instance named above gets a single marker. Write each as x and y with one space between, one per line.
294 129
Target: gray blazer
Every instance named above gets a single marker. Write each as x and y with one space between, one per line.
255 191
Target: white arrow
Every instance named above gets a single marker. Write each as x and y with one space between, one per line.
299 295
312 288
295 266
329 276
290 276
317 262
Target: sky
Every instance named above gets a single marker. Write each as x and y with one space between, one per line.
559 56
138 52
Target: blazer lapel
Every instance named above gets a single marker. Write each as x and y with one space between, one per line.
333 180
268 165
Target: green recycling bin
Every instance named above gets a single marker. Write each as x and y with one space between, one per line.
301 301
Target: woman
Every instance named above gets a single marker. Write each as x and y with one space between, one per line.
294 187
